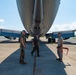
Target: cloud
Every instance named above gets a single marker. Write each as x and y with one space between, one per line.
1 20
62 27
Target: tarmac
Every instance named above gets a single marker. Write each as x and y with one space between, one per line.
46 64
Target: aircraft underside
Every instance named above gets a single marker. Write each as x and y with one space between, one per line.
37 15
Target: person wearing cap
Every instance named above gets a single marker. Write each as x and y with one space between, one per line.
35 43
22 47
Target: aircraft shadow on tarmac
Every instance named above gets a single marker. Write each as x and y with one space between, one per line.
65 42
46 42
46 64
11 41
69 43
8 41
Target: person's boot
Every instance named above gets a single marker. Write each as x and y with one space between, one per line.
22 62
60 60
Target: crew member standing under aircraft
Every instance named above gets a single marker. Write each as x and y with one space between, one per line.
36 45
22 47
59 47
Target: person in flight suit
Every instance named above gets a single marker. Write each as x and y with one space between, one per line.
22 47
59 47
35 45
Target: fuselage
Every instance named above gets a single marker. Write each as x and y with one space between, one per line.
37 15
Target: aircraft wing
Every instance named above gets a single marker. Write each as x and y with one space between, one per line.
11 33
65 34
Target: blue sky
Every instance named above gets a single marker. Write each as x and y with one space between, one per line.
65 18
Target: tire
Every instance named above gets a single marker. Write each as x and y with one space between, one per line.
49 40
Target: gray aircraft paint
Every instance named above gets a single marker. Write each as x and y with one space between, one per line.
37 15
